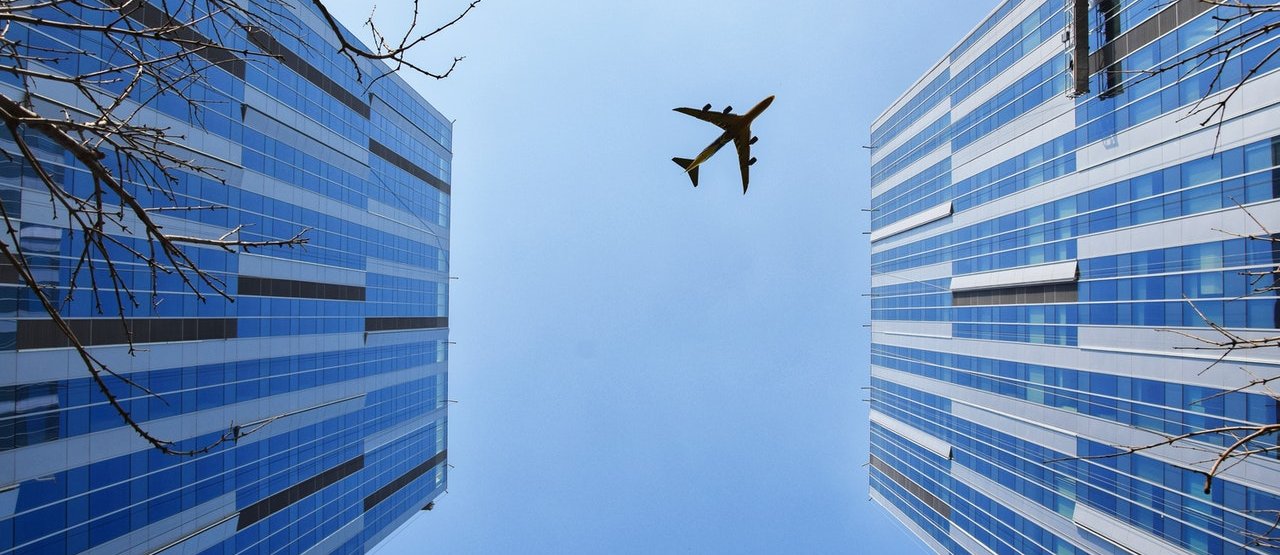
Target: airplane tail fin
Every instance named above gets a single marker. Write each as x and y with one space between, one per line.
684 164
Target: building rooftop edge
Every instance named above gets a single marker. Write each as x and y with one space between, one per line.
944 60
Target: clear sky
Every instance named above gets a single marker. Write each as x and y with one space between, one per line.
641 366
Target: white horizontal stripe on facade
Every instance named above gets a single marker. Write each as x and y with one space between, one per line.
1173 367
913 90
373 441
375 265
335 540
912 129
201 540
1113 170
1013 423
912 328
66 453
284 191
1234 370
303 124
1117 168
1219 225
1082 180
906 172
1037 126
1012 74
913 221
986 408
354 161
1235 133
33 403
1251 115
157 535
1003 145
906 237
195 141
322 29
1124 535
914 435
179 226
990 410
1011 20
258 265
910 525
1055 523
968 542
912 275
413 222
1043 274
37 208
1043 193
397 337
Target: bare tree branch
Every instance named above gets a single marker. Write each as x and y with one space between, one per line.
99 120
1228 445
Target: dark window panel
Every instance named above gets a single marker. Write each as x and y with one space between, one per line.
1035 294
405 323
381 151
151 16
1175 15
927 498
408 477
282 499
44 334
258 286
263 40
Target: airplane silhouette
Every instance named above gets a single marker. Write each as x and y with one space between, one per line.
737 128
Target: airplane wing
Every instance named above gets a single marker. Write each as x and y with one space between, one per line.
719 119
743 142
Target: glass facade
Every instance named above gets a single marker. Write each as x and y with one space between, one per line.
1031 249
331 359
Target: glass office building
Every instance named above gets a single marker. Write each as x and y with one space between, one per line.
333 355
1042 208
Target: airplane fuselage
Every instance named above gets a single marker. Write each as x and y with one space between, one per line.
735 128
730 133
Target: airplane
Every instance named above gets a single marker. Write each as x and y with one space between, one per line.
737 128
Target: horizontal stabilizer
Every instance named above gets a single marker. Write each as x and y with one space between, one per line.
684 164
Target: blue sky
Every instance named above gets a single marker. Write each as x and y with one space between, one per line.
644 367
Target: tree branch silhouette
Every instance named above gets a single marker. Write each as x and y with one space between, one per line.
97 120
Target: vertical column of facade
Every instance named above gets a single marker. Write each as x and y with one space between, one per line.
1023 261
409 145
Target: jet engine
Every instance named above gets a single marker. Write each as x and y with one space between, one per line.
706 108
752 161
728 109
753 140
